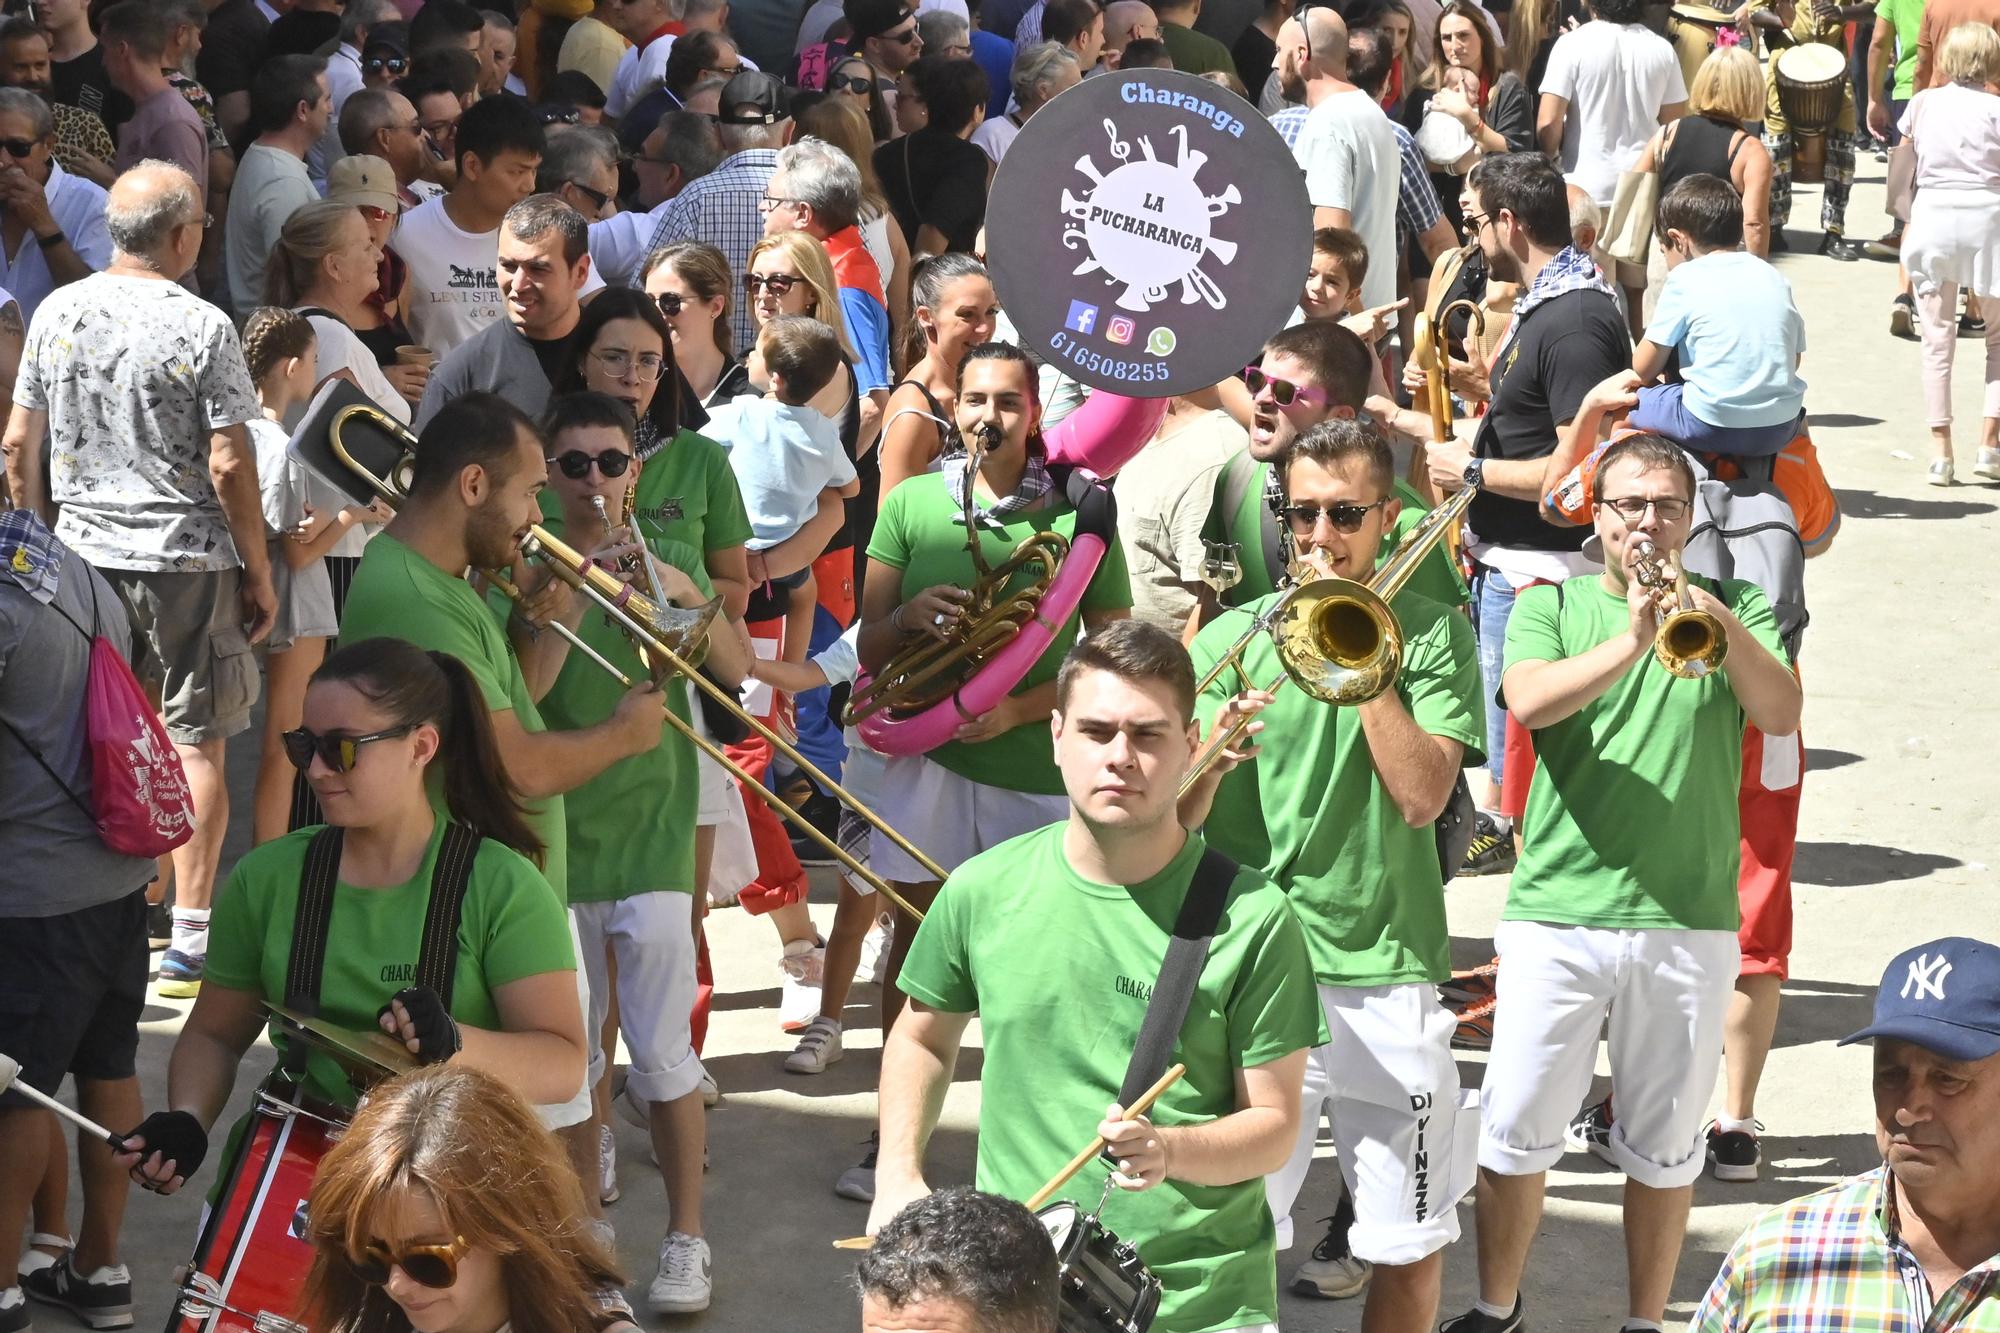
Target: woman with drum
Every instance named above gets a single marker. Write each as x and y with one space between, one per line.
447 1208
385 723
1726 96
1953 237
1469 88
955 311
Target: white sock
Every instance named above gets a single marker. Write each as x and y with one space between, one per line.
1494 1311
1506 827
191 931
1729 1126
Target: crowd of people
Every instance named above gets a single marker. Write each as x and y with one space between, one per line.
698 292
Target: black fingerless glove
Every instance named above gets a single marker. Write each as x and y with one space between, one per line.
437 1034
176 1136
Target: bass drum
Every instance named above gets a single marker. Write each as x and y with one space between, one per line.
1106 1287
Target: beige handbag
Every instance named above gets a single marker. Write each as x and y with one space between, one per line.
1628 232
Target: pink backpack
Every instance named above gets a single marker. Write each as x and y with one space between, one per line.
140 800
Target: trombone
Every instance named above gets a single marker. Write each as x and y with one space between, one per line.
1690 643
1337 638
665 636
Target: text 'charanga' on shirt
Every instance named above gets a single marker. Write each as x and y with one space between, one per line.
1060 970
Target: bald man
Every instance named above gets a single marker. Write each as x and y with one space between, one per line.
1346 148
1123 21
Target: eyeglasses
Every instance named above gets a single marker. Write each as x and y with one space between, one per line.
338 751
773 201
1345 517
440 129
374 214
596 197
434 1266
1632 508
1283 392
778 283
19 147
669 303
576 463
858 84
645 366
1474 221
205 221
385 64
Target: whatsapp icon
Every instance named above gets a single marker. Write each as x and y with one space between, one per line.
1161 342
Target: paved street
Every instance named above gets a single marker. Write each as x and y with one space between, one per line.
1901 720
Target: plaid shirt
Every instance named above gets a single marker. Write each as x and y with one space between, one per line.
724 209
1417 207
1832 1262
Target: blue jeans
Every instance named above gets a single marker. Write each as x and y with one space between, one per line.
1492 604
1663 411
820 738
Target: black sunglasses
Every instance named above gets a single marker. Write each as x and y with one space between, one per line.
858 84
779 283
560 115
576 463
339 751
434 1266
19 147
900 38
669 303
388 64
597 197
1346 518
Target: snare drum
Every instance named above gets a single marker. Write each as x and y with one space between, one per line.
1106 1287
249 1267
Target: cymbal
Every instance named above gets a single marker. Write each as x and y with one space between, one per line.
371 1054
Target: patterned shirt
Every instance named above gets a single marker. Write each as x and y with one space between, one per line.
1417 207
204 106
725 209
80 134
1832 1262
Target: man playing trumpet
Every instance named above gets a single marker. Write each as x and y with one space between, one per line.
1625 898
1339 814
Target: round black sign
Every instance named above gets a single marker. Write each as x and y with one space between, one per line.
1147 232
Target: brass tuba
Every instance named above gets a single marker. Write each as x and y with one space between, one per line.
1690 643
1337 638
1004 598
666 636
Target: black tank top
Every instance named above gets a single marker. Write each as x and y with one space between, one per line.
1699 146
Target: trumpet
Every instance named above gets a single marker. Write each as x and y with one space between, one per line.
1337 639
666 636
1690 643
1004 598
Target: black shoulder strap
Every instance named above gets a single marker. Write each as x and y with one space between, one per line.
1239 474
437 956
1194 927
311 919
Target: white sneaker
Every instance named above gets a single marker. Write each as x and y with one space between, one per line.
1940 472
604 1233
607 1165
683 1285
711 1094
875 949
803 965
1988 465
819 1046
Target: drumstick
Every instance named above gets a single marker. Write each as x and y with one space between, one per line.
10 1072
1076 1163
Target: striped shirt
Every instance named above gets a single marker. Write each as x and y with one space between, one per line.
1832 1262
724 209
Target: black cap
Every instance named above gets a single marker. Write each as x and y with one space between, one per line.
871 18
771 100
388 37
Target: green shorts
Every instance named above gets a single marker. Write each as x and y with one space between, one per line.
191 647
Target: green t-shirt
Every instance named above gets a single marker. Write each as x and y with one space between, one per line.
1632 816
1060 970
686 492
511 926
918 533
1907 16
1436 577
629 830
398 594
1312 813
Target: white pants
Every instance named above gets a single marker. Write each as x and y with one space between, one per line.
1390 1087
948 817
653 937
1667 993
561 1115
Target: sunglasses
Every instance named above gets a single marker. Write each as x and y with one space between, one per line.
374 214
338 751
858 84
560 115
597 197
19 147
434 1266
1283 392
1346 518
778 283
903 38
385 64
669 303
576 463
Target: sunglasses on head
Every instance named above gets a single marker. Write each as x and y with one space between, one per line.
339 751
576 463
385 64
779 283
19 147
1346 518
1283 392
858 84
669 303
434 1266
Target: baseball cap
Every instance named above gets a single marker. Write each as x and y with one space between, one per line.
871 18
362 180
1943 996
752 88
388 38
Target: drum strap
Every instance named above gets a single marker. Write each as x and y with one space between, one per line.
1187 951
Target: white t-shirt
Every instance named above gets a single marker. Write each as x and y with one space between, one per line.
995 135
453 290
1615 77
813 27
271 184
1351 161
343 80
638 70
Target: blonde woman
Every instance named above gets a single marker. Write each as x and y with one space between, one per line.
789 274
1727 95
1953 238
690 282
325 264
841 122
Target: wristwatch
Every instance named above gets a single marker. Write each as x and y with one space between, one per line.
1474 475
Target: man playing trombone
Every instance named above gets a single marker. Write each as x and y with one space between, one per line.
1625 899
1338 811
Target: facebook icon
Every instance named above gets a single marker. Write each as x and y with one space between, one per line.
1082 318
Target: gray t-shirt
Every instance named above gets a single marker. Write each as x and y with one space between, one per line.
271 184
135 375
55 861
500 359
